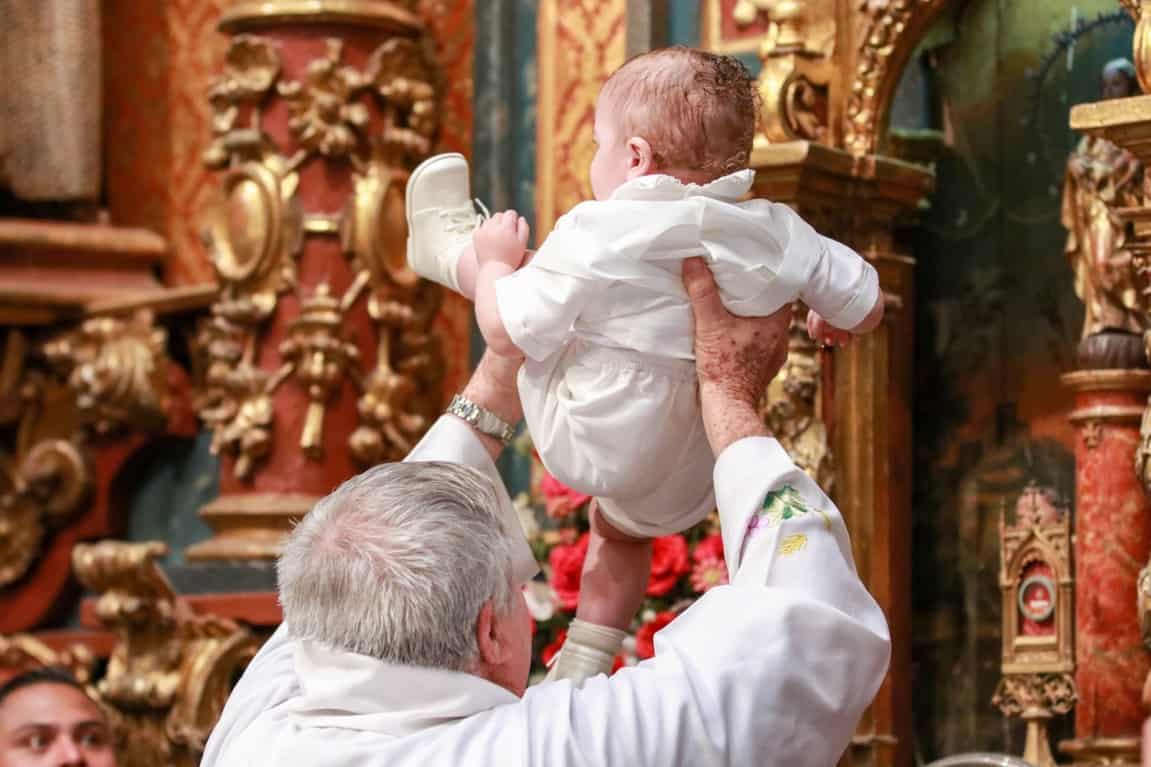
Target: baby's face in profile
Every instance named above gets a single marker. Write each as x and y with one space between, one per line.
614 159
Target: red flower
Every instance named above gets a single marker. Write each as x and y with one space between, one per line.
710 569
560 500
566 561
644 644
669 561
549 650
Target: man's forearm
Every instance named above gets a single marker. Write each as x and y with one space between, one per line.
493 386
728 419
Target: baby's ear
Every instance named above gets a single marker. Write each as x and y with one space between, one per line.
641 161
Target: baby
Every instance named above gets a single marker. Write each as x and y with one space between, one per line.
608 384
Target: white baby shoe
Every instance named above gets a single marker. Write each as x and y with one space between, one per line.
441 218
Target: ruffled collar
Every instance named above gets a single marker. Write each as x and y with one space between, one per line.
729 188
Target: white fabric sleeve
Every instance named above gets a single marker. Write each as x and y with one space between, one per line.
841 287
776 667
538 308
270 678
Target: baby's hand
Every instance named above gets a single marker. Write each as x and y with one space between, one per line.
824 332
503 238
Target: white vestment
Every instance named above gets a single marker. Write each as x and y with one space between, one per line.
608 388
773 669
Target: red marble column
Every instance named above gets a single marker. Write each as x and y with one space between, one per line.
1112 543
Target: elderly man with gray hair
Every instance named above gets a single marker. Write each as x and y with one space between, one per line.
406 640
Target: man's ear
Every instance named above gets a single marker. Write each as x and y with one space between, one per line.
489 638
641 159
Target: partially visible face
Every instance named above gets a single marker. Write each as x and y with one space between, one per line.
53 725
609 167
1117 85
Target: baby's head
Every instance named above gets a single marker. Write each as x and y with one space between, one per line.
679 111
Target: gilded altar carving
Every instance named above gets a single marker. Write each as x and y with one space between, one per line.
1037 588
23 652
797 67
790 408
889 32
1140 11
319 356
381 119
251 67
116 367
1017 694
171 669
326 118
1102 178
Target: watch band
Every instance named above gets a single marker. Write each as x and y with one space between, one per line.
482 419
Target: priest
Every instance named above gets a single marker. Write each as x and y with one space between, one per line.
406 640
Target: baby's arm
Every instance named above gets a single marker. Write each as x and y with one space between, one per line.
500 244
528 308
843 294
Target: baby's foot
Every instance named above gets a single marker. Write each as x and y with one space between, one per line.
441 218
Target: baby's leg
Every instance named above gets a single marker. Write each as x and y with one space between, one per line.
466 270
468 267
615 575
614 580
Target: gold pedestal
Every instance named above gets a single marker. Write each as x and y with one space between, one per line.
249 527
1093 752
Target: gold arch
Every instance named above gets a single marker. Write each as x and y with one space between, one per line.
889 32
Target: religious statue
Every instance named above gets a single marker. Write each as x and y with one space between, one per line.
1101 178
790 410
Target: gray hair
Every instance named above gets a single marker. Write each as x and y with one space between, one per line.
397 562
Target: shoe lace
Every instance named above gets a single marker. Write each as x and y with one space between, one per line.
465 218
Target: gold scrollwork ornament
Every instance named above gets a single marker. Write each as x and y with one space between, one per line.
44 489
251 67
170 670
117 369
394 405
796 70
325 116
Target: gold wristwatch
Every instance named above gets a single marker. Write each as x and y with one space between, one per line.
482 419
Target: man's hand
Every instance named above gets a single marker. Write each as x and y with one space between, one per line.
502 239
735 359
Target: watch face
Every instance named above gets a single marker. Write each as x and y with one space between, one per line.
1037 598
